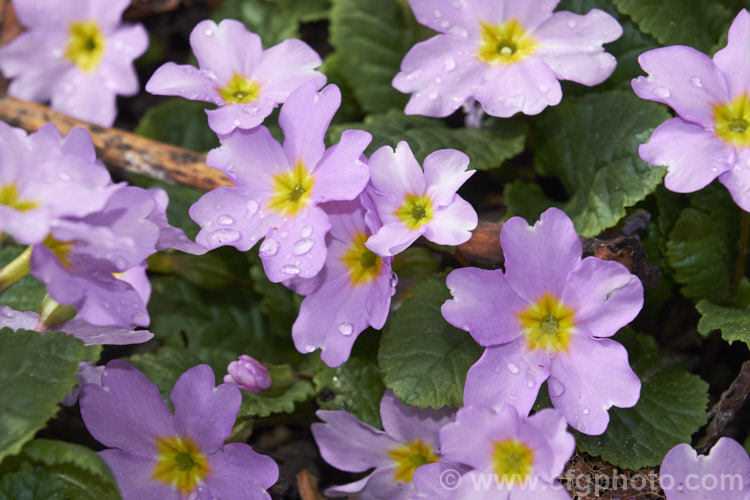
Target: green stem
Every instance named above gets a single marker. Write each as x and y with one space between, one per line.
739 269
15 270
53 314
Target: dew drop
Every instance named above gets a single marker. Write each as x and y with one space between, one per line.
306 231
310 348
437 13
120 263
696 82
269 247
512 368
346 329
252 207
208 32
662 92
432 95
459 30
223 236
585 411
9 314
444 23
284 235
237 123
530 383
225 220
555 387
290 270
303 246
571 24
449 64
139 319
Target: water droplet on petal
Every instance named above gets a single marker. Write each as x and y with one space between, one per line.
585 411
556 388
306 231
252 207
437 13
696 82
432 95
662 92
120 264
303 246
9 314
269 247
571 24
459 30
225 220
237 123
290 270
139 319
346 329
444 23
310 348
224 236
512 368
208 32
530 383
449 64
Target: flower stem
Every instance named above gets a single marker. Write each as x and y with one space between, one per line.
15 270
739 268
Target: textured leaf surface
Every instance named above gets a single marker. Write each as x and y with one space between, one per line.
734 323
267 18
671 408
591 145
422 357
179 122
31 386
356 387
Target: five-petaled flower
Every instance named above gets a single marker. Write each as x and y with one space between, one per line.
75 53
277 190
154 454
507 55
544 319
237 75
410 440
710 137
411 203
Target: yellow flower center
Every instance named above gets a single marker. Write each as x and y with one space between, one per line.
85 44
732 121
363 265
9 198
416 211
409 457
505 43
240 90
512 461
61 249
548 324
180 463
292 190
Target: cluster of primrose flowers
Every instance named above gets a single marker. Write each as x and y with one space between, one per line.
329 221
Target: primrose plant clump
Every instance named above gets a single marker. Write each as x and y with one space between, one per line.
378 250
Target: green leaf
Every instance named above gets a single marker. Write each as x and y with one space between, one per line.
488 147
422 357
36 372
700 255
27 293
179 122
734 323
166 366
696 23
356 387
591 145
371 39
65 470
267 18
286 390
525 199
306 10
671 408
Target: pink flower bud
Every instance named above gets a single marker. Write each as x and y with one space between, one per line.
248 374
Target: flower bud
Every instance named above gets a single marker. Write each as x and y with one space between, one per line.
248 374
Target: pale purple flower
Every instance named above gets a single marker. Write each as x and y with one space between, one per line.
88 373
412 203
45 177
76 54
248 374
723 474
88 333
155 455
510 456
710 137
507 55
544 319
237 75
410 439
277 190
351 292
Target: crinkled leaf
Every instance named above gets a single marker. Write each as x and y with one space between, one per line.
371 39
286 390
355 387
61 470
671 408
179 122
591 145
267 18
36 372
422 357
488 147
734 323
696 23
700 255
